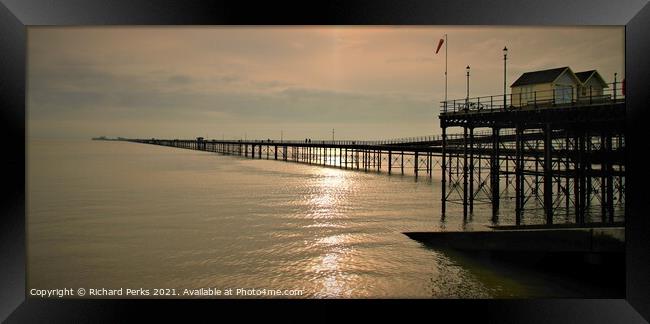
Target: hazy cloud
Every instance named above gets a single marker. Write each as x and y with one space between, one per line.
368 82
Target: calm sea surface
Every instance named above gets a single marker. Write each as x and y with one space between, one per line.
125 215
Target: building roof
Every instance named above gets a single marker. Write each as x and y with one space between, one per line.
584 76
536 77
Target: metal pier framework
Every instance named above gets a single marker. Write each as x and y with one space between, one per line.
555 156
562 156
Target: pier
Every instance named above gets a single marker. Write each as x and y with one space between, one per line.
563 155
551 154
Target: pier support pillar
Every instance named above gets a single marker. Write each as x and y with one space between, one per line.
443 185
471 169
465 169
415 163
548 174
610 181
519 173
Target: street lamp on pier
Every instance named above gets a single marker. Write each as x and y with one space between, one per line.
505 58
467 97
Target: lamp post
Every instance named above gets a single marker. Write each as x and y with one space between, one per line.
467 97
505 58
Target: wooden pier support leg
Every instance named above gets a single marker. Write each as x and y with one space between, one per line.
390 161
621 178
365 160
415 164
443 161
589 189
519 191
454 170
507 158
402 165
583 179
375 160
494 174
567 177
610 181
536 193
548 174
430 164
576 178
471 169
356 153
603 178
378 160
443 182
479 170
275 152
465 170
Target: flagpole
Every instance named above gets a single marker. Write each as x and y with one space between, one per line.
446 42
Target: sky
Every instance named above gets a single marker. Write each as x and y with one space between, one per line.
297 82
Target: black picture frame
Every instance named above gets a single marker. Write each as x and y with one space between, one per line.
16 15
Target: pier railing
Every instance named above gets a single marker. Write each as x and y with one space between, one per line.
395 141
560 96
415 140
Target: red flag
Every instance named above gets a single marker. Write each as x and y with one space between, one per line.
439 45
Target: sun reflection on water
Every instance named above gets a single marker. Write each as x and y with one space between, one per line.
330 267
329 193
